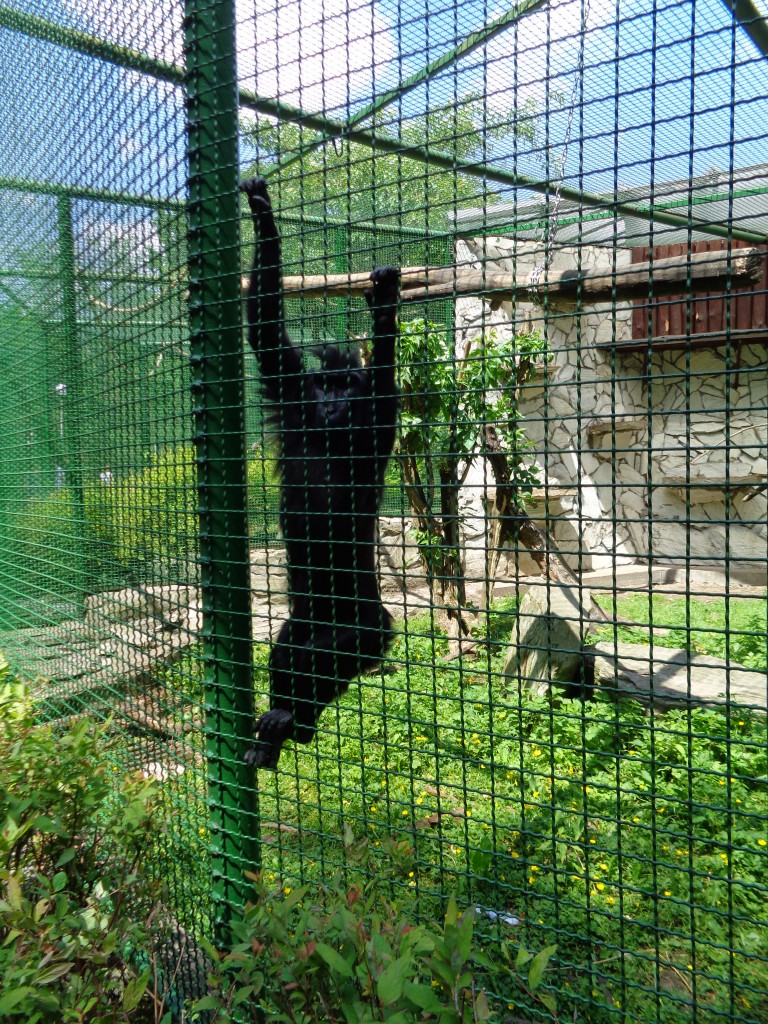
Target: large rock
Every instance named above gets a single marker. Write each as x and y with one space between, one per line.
269 590
168 604
397 550
548 637
670 677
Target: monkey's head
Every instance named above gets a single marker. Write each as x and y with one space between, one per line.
335 359
339 371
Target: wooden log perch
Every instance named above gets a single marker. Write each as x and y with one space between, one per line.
705 271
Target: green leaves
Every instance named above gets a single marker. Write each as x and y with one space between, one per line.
71 842
352 956
457 408
538 966
392 980
339 182
334 959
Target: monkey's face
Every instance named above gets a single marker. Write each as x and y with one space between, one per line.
339 379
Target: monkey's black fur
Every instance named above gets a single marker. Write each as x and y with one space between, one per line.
336 428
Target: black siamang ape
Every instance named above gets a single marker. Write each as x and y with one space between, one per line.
335 427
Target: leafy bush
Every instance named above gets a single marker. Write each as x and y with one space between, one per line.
44 546
143 526
78 915
454 411
72 896
354 956
147 520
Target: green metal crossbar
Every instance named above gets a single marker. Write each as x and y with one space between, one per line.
752 20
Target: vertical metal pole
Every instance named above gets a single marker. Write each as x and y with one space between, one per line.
68 390
216 354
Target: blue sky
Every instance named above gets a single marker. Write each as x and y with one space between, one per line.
659 96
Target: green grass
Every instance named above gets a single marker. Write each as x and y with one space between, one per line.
616 835
734 629
638 844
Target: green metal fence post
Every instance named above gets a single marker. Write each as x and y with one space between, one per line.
68 390
216 353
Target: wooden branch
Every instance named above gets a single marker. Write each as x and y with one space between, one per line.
703 271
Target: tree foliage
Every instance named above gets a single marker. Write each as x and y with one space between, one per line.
349 182
448 403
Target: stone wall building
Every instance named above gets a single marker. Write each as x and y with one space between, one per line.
656 456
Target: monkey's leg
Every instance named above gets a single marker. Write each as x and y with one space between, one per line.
272 730
335 656
286 664
303 679
306 679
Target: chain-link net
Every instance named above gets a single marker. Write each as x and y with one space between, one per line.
568 730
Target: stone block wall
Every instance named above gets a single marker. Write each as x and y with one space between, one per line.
635 463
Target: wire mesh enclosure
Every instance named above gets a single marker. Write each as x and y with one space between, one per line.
567 731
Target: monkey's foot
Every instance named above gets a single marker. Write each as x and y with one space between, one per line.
385 283
272 730
258 194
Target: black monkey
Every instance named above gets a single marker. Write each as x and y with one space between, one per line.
336 428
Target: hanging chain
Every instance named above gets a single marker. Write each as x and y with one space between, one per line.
549 234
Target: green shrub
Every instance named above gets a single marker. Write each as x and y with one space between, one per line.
350 954
73 900
44 546
147 520
143 526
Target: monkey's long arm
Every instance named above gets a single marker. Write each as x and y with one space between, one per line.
383 299
279 360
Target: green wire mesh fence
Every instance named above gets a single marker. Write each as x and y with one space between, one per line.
569 730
